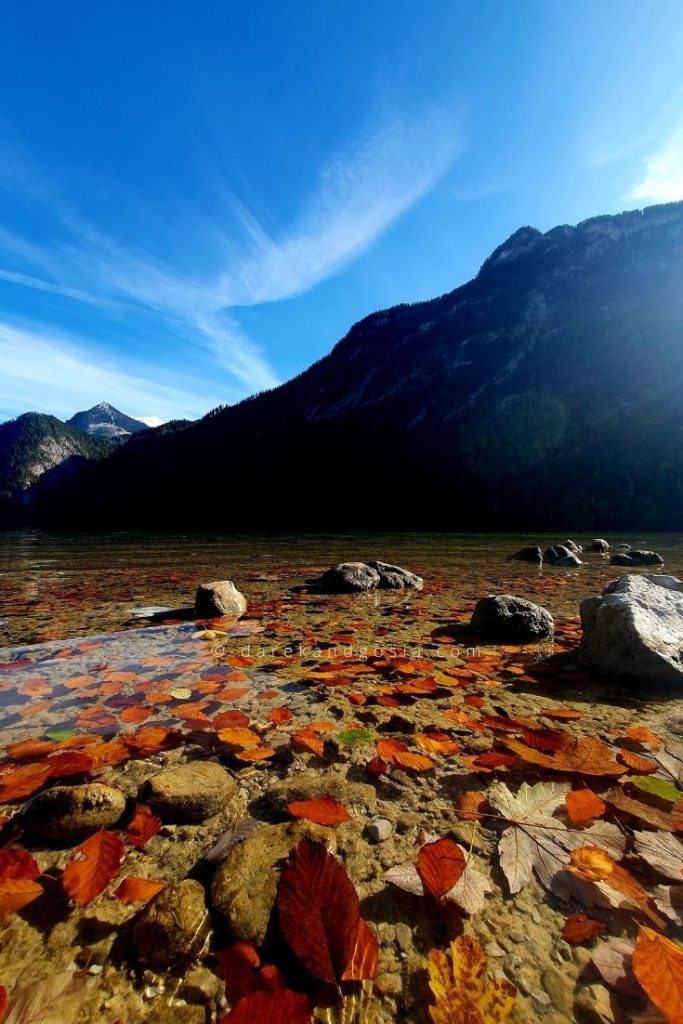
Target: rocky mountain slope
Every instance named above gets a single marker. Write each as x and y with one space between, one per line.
106 422
544 393
36 447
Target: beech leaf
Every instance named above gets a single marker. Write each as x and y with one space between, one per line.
365 959
143 825
321 810
658 967
276 1006
93 865
440 864
53 1000
17 893
133 889
318 911
468 894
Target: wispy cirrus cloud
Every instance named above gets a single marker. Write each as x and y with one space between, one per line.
57 373
662 180
359 193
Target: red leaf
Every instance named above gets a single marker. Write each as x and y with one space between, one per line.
581 928
3 1001
144 824
23 782
318 911
17 864
239 965
365 960
276 1006
17 893
376 767
133 889
231 720
30 750
323 810
279 716
92 867
69 763
583 805
440 865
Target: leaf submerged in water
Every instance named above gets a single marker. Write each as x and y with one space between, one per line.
236 833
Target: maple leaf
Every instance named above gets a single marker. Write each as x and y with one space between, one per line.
463 992
536 841
318 911
322 810
468 893
93 865
143 825
658 967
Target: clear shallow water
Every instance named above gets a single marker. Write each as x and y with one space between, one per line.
56 586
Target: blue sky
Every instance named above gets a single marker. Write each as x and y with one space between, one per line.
197 200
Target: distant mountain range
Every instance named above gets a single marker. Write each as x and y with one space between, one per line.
545 393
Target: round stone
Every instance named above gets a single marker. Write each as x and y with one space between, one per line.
67 813
174 926
189 792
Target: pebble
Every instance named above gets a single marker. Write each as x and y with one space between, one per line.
379 830
540 999
494 950
404 937
189 792
68 813
595 1004
174 926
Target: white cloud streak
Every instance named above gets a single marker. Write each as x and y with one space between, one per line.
663 172
66 376
360 193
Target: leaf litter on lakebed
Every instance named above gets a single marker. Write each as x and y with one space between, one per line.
132 691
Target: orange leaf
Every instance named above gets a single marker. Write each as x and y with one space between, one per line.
658 966
151 739
471 805
643 735
239 737
640 764
17 893
583 805
280 715
17 864
232 693
93 865
586 755
255 754
111 752
455 715
440 865
30 750
413 762
581 928
143 825
136 714
561 714
357 698
23 782
305 742
437 742
230 720
596 865
133 889
323 810
365 959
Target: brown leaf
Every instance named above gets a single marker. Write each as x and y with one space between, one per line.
587 755
16 893
583 806
668 821
462 990
93 865
17 864
472 805
581 928
318 911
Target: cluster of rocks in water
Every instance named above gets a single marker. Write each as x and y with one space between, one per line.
351 576
566 554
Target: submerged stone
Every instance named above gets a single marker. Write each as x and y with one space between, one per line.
510 619
66 813
189 792
351 576
174 926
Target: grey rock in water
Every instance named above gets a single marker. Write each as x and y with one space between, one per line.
244 886
573 546
352 576
597 544
555 552
511 619
530 554
635 557
174 926
379 830
69 813
217 599
635 630
189 792
568 562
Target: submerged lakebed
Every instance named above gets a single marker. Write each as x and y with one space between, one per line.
320 682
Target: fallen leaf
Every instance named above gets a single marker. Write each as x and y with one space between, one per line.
69 763
365 958
274 1006
583 806
612 959
17 864
239 737
471 805
468 894
463 992
322 810
318 911
16 893
439 865
581 928
637 762
397 753
658 967
667 821
92 867
30 750
663 852
57 997
643 735
307 742
143 825
255 754
280 716
132 889
585 754
661 788
669 899
376 767
23 782
236 833
596 865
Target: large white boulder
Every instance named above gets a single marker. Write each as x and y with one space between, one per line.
635 630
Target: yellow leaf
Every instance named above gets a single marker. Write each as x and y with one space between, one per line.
463 992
